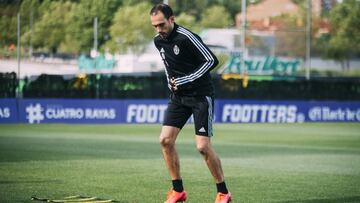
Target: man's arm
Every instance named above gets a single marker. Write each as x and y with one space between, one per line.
201 51
170 83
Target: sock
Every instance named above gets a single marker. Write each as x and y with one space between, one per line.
178 185
221 187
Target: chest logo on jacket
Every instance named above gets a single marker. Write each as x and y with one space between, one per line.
176 50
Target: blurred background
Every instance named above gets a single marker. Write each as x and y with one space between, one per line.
280 50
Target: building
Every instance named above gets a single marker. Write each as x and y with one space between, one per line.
262 16
263 12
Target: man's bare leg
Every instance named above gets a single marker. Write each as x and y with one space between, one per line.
212 160
168 137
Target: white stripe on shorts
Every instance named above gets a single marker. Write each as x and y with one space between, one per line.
210 114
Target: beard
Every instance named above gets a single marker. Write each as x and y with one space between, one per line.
163 35
166 34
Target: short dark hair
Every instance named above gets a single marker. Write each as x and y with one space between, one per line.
163 8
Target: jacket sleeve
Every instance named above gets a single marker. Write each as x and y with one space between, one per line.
202 53
166 71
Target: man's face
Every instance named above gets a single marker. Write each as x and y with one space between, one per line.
162 25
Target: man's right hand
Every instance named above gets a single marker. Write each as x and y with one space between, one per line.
174 87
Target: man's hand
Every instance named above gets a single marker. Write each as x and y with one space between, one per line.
174 87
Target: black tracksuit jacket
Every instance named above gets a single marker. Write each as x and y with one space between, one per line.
188 60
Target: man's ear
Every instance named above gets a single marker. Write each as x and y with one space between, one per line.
172 19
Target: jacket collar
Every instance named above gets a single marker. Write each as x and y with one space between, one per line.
173 32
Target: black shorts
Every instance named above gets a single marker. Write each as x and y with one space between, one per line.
180 108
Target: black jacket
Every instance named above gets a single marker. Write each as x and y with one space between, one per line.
188 60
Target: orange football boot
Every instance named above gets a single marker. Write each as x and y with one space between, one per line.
223 198
174 197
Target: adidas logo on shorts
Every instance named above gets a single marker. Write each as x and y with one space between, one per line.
202 130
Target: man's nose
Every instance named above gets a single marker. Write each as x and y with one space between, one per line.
158 29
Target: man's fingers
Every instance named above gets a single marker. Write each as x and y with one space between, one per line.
173 84
172 81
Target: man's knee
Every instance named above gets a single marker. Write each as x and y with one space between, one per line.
168 136
166 141
203 148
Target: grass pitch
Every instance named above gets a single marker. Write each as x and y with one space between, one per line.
304 163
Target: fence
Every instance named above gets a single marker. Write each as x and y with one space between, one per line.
154 86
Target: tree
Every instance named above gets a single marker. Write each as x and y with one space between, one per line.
8 23
195 8
82 22
131 29
49 32
29 11
215 17
8 27
188 21
233 7
345 33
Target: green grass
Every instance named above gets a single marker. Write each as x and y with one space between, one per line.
304 163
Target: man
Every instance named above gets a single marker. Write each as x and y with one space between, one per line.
188 63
